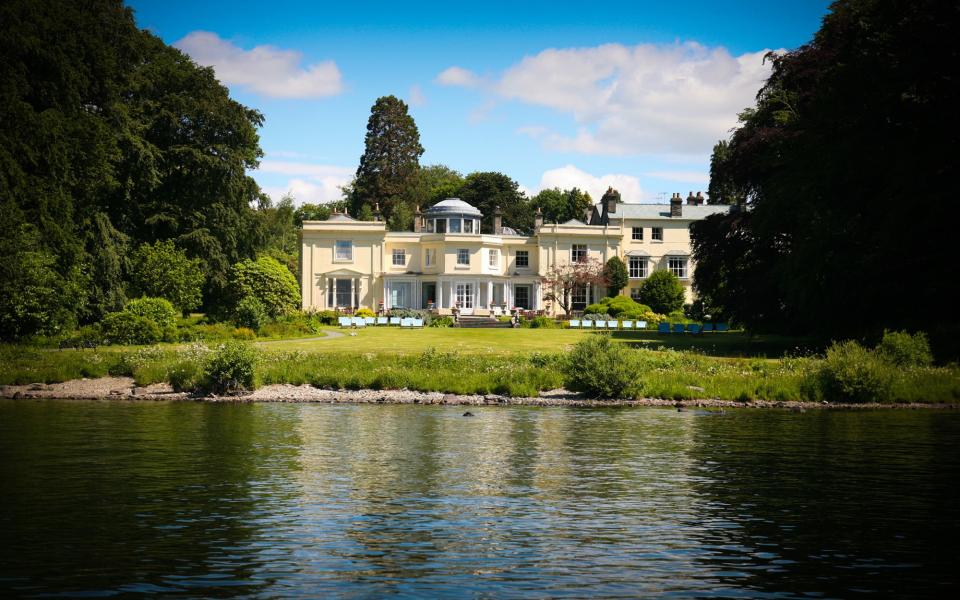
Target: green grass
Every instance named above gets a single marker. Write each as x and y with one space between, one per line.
518 362
397 341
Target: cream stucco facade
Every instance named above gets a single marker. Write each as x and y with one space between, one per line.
347 263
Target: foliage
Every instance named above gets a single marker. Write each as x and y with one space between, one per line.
390 161
489 190
231 367
411 313
662 292
162 270
433 184
616 276
561 206
562 279
250 313
601 368
617 305
591 316
110 139
268 281
442 322
34 298
852 373
541 322
869 92
127 328
364 312
904 349
158 310
326 317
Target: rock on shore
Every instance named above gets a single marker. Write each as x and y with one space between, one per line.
124 388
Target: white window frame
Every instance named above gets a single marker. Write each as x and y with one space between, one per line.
579 291
468 225
678 266
579 250
637 234
401 254
450 223
493 258
525 255
339 245
463 257
656 234
637 266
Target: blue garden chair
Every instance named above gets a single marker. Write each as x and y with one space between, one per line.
663 328
678 328
723 327
693 328
574 323
382 320
345 321
628 324
641 324
707 327
394 320
587 324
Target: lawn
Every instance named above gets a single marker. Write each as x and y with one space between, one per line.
396 341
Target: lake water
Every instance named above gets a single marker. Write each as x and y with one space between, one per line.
279 500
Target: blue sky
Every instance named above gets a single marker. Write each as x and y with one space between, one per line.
589 94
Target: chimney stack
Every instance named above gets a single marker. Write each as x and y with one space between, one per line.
676 205
497 221
538 219
377 215
417 220
699 198
610 200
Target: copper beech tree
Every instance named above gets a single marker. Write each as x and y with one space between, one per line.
561 280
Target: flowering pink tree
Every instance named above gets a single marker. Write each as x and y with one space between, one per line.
561 280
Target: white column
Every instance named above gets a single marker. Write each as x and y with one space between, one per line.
489 294
439 293
536 295
353 292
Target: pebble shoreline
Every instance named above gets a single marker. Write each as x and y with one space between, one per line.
124 388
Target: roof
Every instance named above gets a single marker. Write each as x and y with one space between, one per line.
340 217
452 206
573 222
662 211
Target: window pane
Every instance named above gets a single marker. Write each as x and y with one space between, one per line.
468 226
463 256
454 225
441 225
657 233
638 233
494 257
578 253
399 257
343 293
523 258
344 250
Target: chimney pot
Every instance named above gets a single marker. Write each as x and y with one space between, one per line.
676 205
538 218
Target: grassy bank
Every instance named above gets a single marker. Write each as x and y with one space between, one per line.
510 370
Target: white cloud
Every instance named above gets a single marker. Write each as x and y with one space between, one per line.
696 177
416 96
309 183
266 70
569 176
678 98
459 76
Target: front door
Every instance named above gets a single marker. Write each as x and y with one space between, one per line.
464 298
429 300
521 296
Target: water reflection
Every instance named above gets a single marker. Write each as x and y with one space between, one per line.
280 500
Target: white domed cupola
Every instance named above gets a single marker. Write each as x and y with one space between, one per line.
453 215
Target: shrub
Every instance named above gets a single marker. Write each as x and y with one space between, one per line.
244 333
158 310
125 327
615 274
542 322
905 350
662 292
596 317
231 367
616 306
250 313
326 317
442 322
852 373
405 313
268 281
601 368
364 312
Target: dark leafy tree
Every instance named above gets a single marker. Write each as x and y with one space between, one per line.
161 270
488 190
561 206
843 163
391 159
